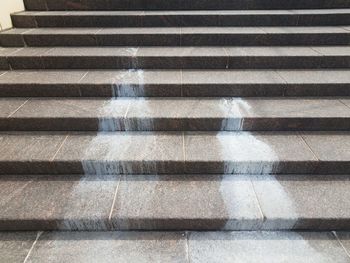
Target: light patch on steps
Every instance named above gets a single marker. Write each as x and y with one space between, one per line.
269 247
247 164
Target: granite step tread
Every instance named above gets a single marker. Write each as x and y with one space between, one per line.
179 4
174 83
174 202
175 153
312 17
174 114
176 57
191 246
177 36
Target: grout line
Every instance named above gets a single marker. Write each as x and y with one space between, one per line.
257 199
341 244
1 74
127 110
285 82
83 76
181 82
59 148
183 146
301 136
344 103
188 259
114 199
33 245
317 51
18 108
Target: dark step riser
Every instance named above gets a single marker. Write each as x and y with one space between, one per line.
171 167
181 4
176 40
174 90
26 21
173 224
109 62
175 124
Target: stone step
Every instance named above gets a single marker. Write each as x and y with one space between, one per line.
311 57
175 202
174 83
324 17
177 36
174 114
196 247
175 153
180 4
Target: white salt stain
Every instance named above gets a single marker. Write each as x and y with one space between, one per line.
246 154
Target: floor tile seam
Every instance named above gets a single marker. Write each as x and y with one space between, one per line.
32 247
263 217
16 110
114 200
309 147
59 148
341 243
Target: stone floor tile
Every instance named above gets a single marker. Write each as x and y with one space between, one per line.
304 201
89 247
247 153
15 246
116 153
67 202
330 148
269 247
25 153
186 202
8 106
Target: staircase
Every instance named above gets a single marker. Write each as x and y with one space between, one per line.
175 131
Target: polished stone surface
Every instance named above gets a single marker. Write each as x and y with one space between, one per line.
119 153
186 202
269 247
65 247
67 202
247 153
304 201
15 246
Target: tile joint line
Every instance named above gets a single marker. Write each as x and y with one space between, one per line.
33 245
340 243
114 199
59 148
257 200
18 108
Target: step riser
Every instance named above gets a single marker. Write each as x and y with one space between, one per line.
175 40
27 21
171 167
173 90
110 62
180 4
174 124
201 224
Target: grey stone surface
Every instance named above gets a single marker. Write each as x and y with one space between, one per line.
25 153
8 106
268 247
304 201
67 202
247 153
122 153
332 149
186 202
15 246
110 247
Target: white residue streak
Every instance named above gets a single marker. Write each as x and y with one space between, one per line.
245 153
